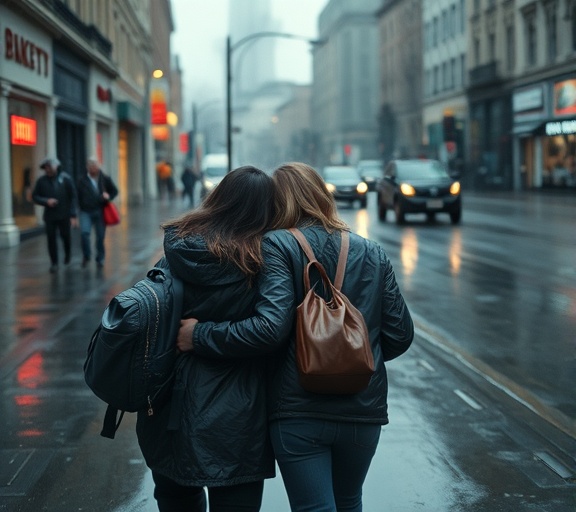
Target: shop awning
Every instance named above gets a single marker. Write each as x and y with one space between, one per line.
130 113
526 128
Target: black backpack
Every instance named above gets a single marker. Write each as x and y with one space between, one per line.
132 355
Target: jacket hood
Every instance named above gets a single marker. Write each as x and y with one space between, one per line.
191 261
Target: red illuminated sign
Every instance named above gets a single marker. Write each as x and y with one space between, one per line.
158 101
104 95
159 112
23 131
184 143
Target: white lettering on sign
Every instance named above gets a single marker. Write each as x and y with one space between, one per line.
25 52
561 127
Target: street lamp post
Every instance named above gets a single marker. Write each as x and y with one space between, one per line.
229 49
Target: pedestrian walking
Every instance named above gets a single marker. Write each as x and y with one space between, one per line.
95 189
189 178
57 194
216 435
323 443
165 179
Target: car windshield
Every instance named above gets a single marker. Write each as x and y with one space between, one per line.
373 170
215 171
420 170
338 173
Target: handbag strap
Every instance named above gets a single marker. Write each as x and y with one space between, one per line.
344 245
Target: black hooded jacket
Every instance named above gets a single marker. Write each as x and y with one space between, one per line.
222 437
369 283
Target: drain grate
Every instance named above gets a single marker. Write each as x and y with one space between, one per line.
555 465
21 469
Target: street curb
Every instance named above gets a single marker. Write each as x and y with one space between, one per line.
520 394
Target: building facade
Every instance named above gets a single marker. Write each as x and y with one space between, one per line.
400 93
344 104
56 82
291 126
544 95
75 82
445 106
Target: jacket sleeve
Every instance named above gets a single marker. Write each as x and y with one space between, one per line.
397 330
73 196
270 326
37 194
111 188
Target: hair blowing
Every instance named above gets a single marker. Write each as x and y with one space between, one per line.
233 218
301 198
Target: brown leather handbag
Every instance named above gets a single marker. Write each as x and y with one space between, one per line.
333 350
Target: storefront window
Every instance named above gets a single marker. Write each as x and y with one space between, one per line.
559 161
25 139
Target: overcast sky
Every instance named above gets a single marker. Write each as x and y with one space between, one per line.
199 39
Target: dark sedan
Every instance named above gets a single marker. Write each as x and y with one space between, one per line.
345 184
418 186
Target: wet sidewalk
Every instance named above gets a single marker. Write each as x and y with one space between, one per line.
455 442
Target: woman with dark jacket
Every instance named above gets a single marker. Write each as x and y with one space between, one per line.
324 444
220 439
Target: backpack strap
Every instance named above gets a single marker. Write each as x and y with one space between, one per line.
111 422
344 245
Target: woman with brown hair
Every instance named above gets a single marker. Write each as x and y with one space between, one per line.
324 444
216 436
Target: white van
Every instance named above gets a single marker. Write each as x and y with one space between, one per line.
214 168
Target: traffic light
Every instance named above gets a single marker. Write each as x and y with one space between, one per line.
449 128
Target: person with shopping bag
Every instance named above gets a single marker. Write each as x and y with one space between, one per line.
95 190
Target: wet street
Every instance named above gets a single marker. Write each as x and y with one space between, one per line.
482 408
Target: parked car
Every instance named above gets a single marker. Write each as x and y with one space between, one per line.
345 184
214 168
371 172
418 186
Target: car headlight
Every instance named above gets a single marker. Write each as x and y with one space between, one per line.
455 188
407 190
361 188
331 188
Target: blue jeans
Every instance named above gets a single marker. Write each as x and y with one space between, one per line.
324 463
89 220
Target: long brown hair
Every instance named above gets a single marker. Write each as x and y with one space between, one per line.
301 197
233 218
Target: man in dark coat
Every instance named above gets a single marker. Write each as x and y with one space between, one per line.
95 189
57 194
189 178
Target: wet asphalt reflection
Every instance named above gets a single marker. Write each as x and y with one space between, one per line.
495 307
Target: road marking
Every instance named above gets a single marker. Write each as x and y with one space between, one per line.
474 367
468 399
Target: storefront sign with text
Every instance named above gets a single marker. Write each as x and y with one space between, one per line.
24 52
23 131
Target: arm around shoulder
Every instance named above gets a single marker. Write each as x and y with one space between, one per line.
268 328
